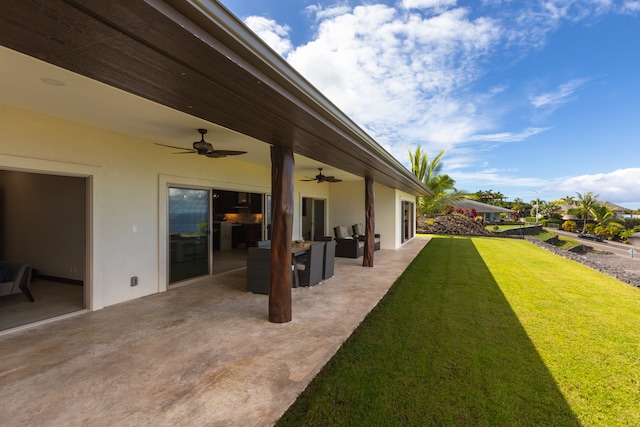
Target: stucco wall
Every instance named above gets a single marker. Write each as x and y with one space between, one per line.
128 179
348 208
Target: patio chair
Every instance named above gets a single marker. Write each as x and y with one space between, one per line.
359 233
329 259
346 245
15 277
312 264
259 271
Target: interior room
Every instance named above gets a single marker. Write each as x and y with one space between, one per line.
43 225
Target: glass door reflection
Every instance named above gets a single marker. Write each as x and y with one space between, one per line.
188 233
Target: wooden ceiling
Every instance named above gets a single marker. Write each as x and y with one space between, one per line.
196 57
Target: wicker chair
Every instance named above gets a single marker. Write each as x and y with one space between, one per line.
329 259
346 245
359 233
259 271
312 264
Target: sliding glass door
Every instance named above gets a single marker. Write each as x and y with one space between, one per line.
408 220
189 218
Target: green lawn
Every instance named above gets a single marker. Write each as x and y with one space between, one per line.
502 227
487 332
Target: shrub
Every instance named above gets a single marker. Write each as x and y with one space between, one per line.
569 226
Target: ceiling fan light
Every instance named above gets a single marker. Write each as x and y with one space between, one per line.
202 146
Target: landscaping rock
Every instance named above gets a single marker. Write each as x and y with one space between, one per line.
604 262
455 225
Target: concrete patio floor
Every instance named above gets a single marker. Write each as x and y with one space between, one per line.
202 354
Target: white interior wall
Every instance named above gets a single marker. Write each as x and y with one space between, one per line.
44 222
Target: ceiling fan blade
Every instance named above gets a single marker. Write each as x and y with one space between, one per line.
214 154
228 152
332 179
306 180
186 150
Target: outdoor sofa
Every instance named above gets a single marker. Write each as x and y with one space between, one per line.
359 233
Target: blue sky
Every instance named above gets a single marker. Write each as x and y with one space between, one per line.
524 96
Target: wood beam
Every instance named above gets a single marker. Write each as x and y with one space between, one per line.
282 174
370 223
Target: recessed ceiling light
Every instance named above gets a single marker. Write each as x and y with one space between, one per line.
52 82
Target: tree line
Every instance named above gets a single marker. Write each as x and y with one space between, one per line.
596 216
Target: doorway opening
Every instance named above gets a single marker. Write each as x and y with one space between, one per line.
43 223
238 224
313 218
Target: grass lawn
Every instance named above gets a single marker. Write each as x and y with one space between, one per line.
486 332
502 227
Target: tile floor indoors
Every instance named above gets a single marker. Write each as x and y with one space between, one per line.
202 354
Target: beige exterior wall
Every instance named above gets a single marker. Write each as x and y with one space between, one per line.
128 179
347 208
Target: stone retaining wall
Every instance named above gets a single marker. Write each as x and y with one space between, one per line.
527 230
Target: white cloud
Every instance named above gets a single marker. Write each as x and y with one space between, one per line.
396 73
631 6
327 12
562 94
427 4
275 35
509 136
619 186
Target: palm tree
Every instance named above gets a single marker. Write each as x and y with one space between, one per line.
422 168
584 206
568 200
418 163
606 221
517 205
442 186
499 197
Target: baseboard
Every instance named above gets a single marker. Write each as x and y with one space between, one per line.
59 279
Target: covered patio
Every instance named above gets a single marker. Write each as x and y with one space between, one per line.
104 95
203 354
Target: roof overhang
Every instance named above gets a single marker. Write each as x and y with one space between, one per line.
197 58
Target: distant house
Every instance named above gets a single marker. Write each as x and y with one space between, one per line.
490 213
621 212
